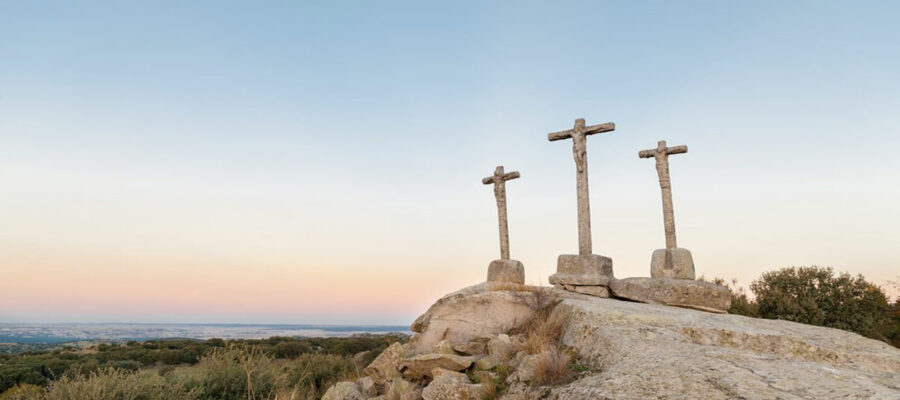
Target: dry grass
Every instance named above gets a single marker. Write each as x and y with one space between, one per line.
543 339
118 385
551 367
544 332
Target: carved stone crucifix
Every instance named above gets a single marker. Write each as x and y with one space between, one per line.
661 153
579 134
671 262
499 180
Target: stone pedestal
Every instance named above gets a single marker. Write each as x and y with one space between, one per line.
672 263
506 271
587 269
586 274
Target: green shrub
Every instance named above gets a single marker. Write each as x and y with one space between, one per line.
124 365
238 373
318 371
816 296
113 384
22 391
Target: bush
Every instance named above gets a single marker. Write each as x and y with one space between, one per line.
816 296
291 349
113 384
125 365
238 373
22 392
318 371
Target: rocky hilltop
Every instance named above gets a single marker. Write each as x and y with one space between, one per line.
510 341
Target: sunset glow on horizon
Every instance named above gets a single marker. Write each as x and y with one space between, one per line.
310 163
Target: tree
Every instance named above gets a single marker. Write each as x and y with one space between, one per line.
815 295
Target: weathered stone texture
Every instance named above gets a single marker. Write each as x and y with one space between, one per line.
343 391
698 295
420 366
480 311
588 269
450 385
672 263
640 351
506 271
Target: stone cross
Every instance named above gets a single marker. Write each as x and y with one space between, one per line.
579 134
499 180
661 153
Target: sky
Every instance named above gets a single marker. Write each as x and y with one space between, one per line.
320 162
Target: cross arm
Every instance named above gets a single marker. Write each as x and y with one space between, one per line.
588 130
505 177
649 153
676 150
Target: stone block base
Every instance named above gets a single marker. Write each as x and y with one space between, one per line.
586 274
582 270
672 263
506 271
686 293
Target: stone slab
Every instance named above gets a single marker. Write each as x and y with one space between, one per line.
686 293
672 263
596 291
506 271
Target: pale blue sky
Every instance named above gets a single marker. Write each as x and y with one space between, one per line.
338 146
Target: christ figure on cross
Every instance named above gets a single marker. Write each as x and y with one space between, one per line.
585 268
504 269
671 262
499 180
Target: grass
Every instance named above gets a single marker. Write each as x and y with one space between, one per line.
231 373
552 364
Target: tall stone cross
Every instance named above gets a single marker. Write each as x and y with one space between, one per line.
579 135
661 153
499 180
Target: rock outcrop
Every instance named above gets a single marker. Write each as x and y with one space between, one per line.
620 350
480 311
652 351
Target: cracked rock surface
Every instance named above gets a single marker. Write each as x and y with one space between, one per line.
640 351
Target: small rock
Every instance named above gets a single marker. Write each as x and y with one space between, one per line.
343 391
387 365
486 363
501 347
420 366
525 372
470 348
484 376
442 347
449 385
367 386
401 389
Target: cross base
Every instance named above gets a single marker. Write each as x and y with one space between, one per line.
582 270
672 263
506 271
